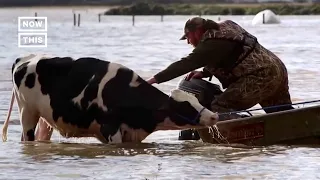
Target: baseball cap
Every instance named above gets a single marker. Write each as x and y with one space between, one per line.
191 25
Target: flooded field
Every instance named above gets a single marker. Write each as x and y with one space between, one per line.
148 47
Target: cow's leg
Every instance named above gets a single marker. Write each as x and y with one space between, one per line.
44 131
29 120
111 134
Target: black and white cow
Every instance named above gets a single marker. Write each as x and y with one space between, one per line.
89 97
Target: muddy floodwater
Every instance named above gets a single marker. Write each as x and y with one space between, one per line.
148 47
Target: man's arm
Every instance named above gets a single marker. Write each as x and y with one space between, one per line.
210 52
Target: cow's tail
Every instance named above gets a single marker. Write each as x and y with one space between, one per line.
6 123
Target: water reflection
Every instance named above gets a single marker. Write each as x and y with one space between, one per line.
47 151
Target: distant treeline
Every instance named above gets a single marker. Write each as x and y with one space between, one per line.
176 7
143 8
16 3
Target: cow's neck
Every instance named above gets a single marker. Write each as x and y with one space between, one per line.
139 122
130 134
163 114
137 125
151 97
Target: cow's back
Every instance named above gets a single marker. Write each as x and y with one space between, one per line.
33 77
91 88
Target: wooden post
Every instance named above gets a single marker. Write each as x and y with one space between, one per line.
74 19
133 20
78 19
99 17
36 14
263 21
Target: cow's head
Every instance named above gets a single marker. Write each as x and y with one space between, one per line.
185 111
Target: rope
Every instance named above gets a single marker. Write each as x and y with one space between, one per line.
269 107
192 121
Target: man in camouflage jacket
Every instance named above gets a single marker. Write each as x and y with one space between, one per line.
250 73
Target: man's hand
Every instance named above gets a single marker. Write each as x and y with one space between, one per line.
195 75
152 80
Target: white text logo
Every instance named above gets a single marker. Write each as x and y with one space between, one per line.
32 31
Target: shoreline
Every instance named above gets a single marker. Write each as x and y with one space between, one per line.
61 7
230 5
171 9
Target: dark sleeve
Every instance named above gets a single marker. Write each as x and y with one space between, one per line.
209 52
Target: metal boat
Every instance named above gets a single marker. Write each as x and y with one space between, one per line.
300 126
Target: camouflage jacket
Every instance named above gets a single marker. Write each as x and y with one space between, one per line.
233 32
